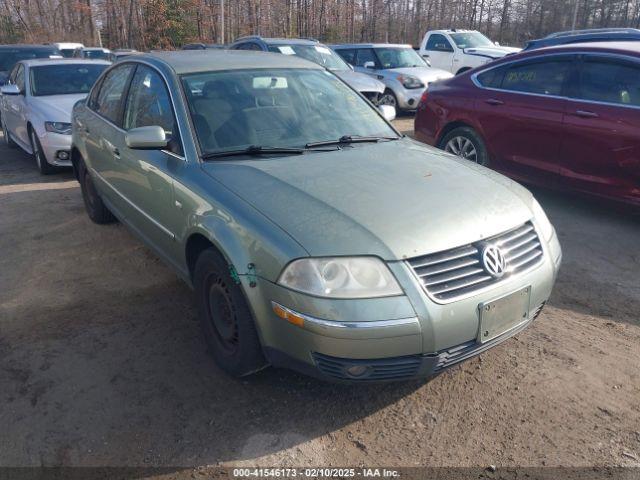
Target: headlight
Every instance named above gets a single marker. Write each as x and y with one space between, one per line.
546 229
340 277
410 82
58 127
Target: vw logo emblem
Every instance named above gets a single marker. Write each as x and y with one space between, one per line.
494 262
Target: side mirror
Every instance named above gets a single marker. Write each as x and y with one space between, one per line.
369 64
388 112
10 90
146 138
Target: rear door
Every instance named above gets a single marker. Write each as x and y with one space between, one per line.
520 109
439 52
145 177
601 141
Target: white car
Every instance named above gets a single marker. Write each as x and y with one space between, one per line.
67 49
457 51
36 106
93 53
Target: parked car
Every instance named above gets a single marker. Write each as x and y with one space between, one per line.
315 51
399 67
121 53
564 117
457 51
315 236
12 54
67 49
202 46
93 53
36 106
582 36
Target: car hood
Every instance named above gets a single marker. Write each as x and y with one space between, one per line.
425 74
360 81
56 108
491 52
395 200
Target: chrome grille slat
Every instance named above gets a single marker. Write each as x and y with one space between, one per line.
460 272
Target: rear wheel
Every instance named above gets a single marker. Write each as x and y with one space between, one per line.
93 204
466 143
44 166
226 320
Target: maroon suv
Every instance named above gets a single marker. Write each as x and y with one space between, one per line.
565 117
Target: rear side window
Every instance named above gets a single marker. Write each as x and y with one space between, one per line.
149 105
438 43
609 81
366 55
109 99
544 77
491 78
348 55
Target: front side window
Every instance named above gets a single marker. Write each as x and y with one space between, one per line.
280 107
348 55
109 98
610 81
399 58
543 77
149 104
471 40
366 55
438 43
63 79
19 80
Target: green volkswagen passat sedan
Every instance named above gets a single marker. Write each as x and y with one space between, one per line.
314 235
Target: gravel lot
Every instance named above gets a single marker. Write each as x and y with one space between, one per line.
102 362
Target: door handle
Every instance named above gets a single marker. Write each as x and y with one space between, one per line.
494 101
586 114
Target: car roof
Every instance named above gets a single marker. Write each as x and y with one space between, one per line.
579 36
372 45
615 46
62 61
24 46
194 61
278 40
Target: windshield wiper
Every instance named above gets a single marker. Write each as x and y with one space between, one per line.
261 150
350 139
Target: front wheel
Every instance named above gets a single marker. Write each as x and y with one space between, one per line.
226 320
466 143
388 98
44 166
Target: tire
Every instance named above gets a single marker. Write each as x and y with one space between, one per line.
44 166
225 318
7 139
389 98
93 204
466 143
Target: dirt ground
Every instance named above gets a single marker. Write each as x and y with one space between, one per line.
102 362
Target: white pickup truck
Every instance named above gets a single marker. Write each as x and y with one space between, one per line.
459 50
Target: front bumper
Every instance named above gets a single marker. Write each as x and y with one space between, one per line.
395 338
52 146
408 99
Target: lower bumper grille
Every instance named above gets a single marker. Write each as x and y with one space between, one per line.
462 271
396 368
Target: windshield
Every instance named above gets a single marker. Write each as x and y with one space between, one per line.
64 79
316 53
10 56
96 54
471 40
276 108
399 57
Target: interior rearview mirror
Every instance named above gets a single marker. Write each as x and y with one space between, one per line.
369 64
10 90
388 112
146 138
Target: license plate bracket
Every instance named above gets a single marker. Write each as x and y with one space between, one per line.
504 313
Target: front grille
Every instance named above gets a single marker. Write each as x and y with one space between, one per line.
459 272
396 368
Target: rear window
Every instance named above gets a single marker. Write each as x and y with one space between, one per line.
67 79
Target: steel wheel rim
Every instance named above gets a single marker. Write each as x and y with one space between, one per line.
387 99
222 316
462 147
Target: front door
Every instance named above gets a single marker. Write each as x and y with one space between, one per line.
439 52
601 143
15 120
